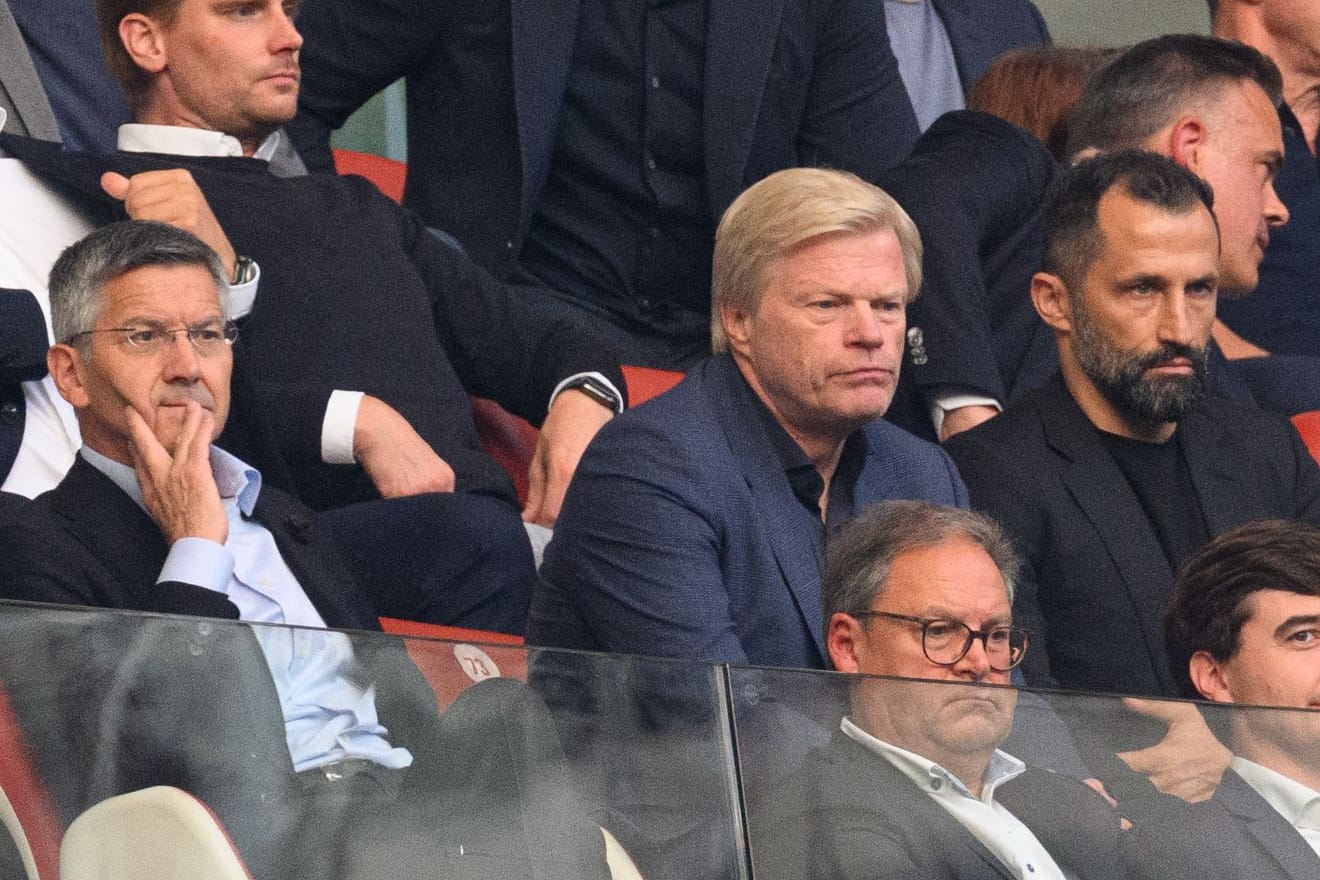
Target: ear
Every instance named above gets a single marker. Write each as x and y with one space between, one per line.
737 327
66 370
845 641
144 40
1209 679
1050 296
1183 142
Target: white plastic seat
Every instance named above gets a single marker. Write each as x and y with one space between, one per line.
9 819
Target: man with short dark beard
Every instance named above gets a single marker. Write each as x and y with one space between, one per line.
1120 468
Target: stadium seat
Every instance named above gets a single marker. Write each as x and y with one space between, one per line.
1308 425
388 174
27 812
162 833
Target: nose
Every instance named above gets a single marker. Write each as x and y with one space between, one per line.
1175 319
285 36
975 664
1276 212
182 362
868 324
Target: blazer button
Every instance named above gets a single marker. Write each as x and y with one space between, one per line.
9 412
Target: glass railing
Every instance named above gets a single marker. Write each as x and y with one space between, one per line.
329 754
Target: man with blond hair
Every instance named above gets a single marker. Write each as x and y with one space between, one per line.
695 526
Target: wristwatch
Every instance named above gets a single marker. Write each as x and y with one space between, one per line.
598 391
245 269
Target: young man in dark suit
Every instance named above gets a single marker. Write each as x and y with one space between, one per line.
320 734
1243 626
913 783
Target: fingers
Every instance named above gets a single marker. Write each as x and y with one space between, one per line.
1161 710
151 457
536 480
115 185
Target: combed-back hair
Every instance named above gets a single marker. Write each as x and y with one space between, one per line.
1209 603
1154 82
789 209
78 278
861 555
1070 218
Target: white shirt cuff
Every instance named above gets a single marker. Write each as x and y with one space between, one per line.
599 377
338 426
242 297
949 399
198 561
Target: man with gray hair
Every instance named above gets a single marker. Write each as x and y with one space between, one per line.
153 518
913 782
695 526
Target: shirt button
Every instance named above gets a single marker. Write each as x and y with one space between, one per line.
650 163
655 82
936 784
9 413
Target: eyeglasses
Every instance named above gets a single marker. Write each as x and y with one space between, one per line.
945 642
208 337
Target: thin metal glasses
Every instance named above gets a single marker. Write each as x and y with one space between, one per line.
207 337
945 642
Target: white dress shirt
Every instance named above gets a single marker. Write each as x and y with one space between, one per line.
1297 803
989 821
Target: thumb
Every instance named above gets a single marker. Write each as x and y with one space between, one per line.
115 185
1160 710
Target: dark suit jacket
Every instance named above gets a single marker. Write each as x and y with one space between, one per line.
982 30
973 185
356 294
174 702
1236 834
680 536
847 813
787 83
22 359
1095 578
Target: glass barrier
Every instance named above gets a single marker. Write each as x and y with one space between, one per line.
359 755
873 777
349 755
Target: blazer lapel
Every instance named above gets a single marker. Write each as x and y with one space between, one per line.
1102 493
22 85
124 539
870 778
1216 482
964 37
1278 840
788 525
544 34
740 41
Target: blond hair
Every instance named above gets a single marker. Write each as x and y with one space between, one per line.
787 210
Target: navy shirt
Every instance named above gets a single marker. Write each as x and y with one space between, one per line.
66 51
1283 314
624 224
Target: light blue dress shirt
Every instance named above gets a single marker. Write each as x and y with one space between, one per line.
329 715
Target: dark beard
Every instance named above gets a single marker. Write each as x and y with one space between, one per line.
1121 377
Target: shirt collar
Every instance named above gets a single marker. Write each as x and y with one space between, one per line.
1297 803
233 477
929 776
178 140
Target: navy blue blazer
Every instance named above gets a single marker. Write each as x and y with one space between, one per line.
982 30
786 83
680 535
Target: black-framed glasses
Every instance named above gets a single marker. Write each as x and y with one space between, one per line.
945 642
207 337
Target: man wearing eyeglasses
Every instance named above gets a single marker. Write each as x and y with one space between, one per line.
913 782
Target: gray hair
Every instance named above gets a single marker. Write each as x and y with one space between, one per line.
863 552
79 276
786 210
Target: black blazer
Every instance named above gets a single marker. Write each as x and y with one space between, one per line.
786 83
1095 578
1236 834
847 813
22 359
